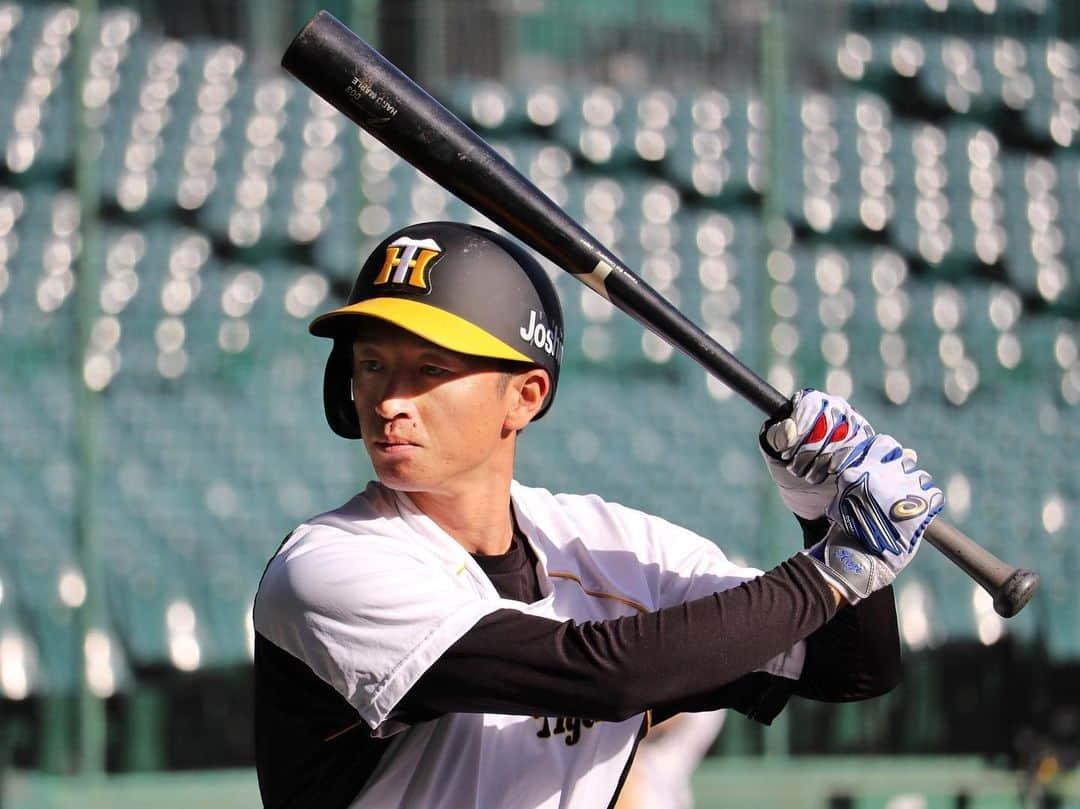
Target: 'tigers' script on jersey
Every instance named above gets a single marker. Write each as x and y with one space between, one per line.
546 339
567 727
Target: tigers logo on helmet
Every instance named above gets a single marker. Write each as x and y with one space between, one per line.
408 262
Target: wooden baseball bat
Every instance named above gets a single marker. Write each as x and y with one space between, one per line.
373 93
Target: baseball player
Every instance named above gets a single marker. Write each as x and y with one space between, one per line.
451 638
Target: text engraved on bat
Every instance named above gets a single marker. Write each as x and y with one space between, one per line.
380 110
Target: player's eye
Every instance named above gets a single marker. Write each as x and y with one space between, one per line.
433 370
368 366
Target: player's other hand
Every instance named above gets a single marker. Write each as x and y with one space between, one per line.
879 515
804 450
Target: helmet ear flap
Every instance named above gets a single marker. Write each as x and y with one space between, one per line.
337 392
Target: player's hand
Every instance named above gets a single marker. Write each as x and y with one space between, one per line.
804 450
881 511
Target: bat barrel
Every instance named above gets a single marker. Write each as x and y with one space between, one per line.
356 79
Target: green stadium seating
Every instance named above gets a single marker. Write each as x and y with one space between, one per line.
906 800
945 323
718 149
599 126
1051 115
833 165
488 106
963 16
35 127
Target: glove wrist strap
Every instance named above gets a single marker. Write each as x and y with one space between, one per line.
843 563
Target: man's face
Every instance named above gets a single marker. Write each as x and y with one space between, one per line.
433 420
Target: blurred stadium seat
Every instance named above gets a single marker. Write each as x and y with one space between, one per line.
210 384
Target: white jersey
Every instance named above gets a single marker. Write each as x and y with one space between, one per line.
370 595
666 761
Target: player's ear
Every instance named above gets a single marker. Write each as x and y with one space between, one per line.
529 390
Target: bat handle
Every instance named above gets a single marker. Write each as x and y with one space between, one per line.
1011 587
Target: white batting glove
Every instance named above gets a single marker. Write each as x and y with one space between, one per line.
884 504
804 450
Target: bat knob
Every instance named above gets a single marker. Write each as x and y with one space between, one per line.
1016 592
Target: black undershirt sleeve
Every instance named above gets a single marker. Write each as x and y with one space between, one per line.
686 657
856 655
696 656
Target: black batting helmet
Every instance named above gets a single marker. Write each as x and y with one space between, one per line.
459 286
